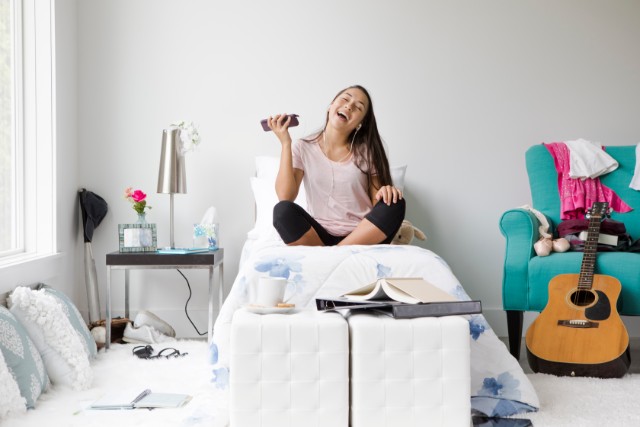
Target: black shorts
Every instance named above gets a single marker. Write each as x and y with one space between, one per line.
292 221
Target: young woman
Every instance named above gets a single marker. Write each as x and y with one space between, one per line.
346 174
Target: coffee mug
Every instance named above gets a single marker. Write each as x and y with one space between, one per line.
270 291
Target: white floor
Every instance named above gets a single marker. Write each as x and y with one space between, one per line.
635 355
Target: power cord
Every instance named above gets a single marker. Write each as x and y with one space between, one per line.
187 303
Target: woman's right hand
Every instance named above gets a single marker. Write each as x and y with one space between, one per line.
279 124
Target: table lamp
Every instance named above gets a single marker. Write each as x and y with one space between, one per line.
172 176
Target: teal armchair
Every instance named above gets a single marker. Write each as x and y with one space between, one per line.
526 276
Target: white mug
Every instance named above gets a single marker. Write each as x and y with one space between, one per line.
270 291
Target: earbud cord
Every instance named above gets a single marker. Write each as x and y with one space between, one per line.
324 151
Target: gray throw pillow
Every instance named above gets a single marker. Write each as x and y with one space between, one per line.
22 358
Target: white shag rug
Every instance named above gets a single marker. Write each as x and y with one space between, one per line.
586 402
570 402
119 369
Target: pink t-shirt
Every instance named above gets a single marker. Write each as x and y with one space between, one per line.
337 193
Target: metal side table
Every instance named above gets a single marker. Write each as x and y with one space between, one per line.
153 260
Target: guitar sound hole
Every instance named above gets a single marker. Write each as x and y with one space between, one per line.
583 298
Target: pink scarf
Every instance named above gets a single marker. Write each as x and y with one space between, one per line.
577 195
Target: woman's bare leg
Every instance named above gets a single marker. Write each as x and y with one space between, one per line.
310 238
364 234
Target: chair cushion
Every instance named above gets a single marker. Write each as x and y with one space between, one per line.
624 266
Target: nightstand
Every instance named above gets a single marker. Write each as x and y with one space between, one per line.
152 260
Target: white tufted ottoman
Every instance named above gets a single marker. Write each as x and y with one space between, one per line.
409 372
289 370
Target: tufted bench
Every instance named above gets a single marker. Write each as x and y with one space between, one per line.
293 370
409 372
289 370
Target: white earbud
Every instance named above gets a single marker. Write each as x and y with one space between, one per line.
359 126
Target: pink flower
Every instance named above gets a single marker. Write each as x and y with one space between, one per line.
138 196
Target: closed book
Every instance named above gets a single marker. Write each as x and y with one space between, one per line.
603 238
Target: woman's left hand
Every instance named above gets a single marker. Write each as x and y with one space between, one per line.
389 194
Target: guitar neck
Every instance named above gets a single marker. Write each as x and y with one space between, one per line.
585 281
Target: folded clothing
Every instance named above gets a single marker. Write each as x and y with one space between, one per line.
588 160
635 181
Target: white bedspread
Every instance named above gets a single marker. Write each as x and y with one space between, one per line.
499 387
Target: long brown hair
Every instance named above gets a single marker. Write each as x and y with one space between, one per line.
368 147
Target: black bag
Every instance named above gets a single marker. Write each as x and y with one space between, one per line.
572 228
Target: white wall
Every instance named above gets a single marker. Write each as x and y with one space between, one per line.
460 88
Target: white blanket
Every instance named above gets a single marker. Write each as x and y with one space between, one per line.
498 385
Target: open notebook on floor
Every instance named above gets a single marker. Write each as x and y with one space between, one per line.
130 399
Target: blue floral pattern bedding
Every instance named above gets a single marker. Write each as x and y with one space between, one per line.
499 387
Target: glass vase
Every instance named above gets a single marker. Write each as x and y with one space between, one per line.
142 218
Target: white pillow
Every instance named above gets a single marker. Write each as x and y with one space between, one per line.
75 318
267 167
59 344
397 176
264 193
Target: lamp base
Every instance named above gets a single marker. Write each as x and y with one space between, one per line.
171 240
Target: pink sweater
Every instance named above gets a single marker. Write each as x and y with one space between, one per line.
577 195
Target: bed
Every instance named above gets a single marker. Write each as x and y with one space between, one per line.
499 387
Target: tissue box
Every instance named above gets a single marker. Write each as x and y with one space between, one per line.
205 236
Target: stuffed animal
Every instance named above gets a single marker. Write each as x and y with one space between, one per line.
406 233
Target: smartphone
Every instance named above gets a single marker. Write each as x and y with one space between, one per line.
294 122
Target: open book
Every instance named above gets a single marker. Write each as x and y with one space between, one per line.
410 290
128 399
401 298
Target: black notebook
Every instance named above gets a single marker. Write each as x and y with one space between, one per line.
400 310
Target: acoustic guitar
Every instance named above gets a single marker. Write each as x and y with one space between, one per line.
579 332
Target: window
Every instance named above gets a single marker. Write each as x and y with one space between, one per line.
8 203
27 180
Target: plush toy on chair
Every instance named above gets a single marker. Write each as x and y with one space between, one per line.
406 233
